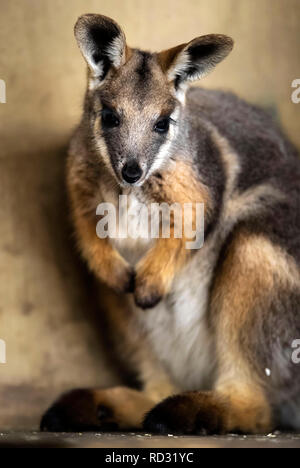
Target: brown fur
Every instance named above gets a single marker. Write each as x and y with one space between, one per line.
253 267
211 413
236 298
239 402
131 347
104 261
119 408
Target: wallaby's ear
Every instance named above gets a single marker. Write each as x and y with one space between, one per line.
102 43
194 60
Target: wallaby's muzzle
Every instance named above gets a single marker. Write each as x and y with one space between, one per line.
132 172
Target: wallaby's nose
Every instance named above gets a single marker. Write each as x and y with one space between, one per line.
132 172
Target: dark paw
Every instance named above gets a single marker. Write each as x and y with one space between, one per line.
146 295
147 301
106 419
184 414
54 421
173 415
75 412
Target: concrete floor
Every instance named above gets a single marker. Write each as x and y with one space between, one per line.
142 440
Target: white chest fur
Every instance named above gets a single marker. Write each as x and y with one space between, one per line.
132 239
178 327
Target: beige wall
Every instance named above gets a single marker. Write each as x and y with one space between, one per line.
47 316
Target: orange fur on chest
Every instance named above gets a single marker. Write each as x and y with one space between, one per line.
179 184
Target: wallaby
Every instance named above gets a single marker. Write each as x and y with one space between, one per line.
207 333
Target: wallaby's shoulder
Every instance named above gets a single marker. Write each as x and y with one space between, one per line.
253 133
214 104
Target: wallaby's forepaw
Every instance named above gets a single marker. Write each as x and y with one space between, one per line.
150 286
122 278
187 413
147 298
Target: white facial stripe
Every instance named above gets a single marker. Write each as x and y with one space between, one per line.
102 148
164 152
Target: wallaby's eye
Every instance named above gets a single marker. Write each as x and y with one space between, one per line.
162 126
109 118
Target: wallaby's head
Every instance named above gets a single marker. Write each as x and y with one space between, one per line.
134 98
